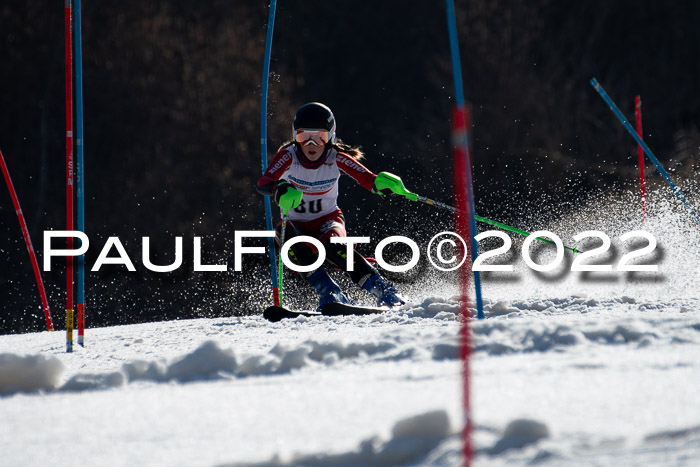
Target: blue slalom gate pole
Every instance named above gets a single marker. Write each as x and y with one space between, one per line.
79 173
459 101
677 191
263 145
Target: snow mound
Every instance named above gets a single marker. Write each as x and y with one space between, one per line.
424 439
28 373
518 434
434 307
515 331
207 362
673 435
446 351
84 382
211 362
319 350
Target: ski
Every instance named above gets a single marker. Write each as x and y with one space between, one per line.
277 313
342 309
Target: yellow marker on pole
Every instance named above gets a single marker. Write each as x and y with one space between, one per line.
69 330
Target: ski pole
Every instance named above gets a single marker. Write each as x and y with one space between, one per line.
280 264
294 199
425 200
403 191
521 232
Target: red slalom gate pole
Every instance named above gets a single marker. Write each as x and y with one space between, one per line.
68 20
465 224
28 242
640 154
461 197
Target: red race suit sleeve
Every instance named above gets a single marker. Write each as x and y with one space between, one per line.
277 166
361 174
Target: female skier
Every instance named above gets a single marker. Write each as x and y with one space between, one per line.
303 179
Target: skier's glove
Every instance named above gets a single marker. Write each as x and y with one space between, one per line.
287 197
387 184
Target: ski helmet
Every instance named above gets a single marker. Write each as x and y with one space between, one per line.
314 116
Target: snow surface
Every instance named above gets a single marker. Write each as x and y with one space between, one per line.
567 369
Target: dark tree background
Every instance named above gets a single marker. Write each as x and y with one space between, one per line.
172 124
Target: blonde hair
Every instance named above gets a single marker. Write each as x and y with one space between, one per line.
353 151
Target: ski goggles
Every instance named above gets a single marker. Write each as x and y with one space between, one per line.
317 137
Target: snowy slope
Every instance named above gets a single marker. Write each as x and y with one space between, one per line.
581 381
567 369
203 392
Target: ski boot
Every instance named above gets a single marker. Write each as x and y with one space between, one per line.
383 291
327 288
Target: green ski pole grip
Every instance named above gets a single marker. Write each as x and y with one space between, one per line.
387 183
